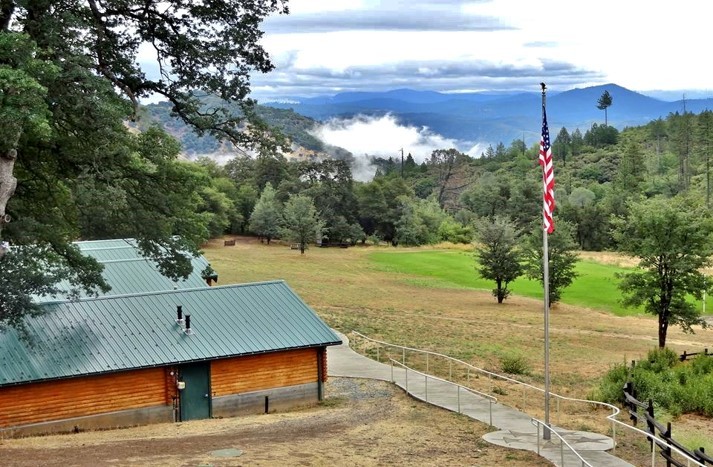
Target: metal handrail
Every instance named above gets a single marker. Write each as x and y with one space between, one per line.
615 410
564 442
491 399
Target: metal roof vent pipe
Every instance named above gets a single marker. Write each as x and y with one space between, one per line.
188 329
179 314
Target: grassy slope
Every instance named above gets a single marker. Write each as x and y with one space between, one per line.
430 303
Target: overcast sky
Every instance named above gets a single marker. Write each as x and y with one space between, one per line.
330 46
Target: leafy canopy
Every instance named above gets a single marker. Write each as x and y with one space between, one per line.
673 241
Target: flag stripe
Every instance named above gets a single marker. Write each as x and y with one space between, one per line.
548 177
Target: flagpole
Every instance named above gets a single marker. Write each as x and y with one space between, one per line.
546 279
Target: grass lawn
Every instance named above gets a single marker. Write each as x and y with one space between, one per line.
596 286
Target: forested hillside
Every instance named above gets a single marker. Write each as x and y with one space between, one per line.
287 122
596 173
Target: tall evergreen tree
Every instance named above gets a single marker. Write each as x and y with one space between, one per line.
603 103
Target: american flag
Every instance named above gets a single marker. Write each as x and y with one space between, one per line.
548 177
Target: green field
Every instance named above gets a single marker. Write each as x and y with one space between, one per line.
595 287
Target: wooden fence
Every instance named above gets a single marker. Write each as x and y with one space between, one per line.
684 356
229 242
632 406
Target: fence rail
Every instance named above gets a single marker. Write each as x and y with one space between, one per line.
684 356
667 445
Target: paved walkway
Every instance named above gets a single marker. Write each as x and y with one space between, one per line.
516 428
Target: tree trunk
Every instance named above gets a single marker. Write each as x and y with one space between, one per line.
7 186
500 290
663 329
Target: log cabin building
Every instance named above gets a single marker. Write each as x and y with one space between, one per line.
160 356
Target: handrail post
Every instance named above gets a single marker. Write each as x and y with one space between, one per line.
406 372
468 374
538 438
613 431
377 355
491 413
450 369
558 410
403 356
392 370
425 383
653 453
562 451
427 370
458 389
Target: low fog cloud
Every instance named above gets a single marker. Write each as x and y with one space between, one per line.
384 136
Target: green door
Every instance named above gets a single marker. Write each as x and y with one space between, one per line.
195 396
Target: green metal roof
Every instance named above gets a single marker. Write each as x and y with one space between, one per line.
109 334
127 271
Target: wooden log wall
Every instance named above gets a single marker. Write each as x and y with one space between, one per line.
76 397
263 371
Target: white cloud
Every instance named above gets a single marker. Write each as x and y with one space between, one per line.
385 137
641 45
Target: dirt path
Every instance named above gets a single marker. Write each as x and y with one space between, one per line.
361 423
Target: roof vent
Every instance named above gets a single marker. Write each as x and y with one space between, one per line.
179 314
188 329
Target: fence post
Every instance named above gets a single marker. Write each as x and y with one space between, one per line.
667 437
683 356
458 388
649 423
403 356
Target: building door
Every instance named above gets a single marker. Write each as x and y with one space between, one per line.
195 396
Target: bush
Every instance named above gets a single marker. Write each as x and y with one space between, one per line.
677 387
515 365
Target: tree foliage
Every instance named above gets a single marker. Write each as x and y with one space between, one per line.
70 79
562 258
498 255
266 218
302 224
673 241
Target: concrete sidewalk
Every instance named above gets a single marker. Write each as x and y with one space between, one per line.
516 429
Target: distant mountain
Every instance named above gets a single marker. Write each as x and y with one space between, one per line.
493 118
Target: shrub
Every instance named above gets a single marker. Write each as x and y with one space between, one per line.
677 387
515 365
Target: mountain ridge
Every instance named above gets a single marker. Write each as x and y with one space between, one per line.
491 117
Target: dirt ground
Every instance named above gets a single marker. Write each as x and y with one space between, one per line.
360 423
